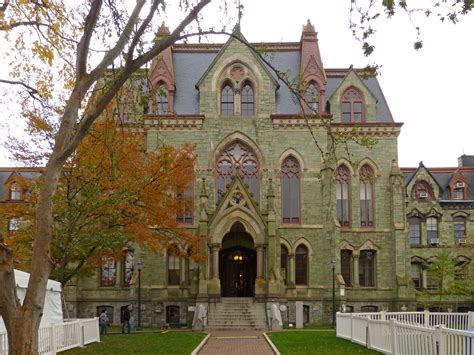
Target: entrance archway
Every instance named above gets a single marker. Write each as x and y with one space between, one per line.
237 263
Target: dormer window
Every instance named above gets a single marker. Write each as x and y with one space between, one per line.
248 100
227 100
352 106
162 107
458 190
422 191
312 97
15 192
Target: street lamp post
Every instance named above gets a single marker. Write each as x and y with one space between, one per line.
333 267
139 268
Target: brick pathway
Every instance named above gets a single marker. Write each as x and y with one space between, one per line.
236 343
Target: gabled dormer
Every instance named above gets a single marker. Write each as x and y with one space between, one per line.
458 186
312 71
15 187
161 79
422 186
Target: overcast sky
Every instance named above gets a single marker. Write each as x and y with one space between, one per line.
428 90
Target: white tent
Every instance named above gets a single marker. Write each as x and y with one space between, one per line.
52 312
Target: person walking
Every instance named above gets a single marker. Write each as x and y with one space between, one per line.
103 322
126 319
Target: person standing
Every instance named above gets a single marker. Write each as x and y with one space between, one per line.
126 319
103 322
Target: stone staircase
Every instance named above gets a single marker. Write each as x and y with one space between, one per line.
237 314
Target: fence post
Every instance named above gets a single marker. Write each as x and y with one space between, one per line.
367 333
383 315
427 318
352 319
471 320
81 334
52 339
441 339
393 336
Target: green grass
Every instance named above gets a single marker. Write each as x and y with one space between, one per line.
319 342
151 343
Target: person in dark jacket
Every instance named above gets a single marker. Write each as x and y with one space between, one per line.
103 322
126 319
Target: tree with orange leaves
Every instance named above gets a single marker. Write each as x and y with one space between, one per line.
110 196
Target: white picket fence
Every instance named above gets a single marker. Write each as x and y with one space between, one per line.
59 337
409 333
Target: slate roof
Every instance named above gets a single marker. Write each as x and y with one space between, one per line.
26 173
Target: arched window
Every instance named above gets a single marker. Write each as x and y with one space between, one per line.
237 157
414 230
312 97
459 230
301 265
108 272
367 268
185 199
432 230
346 266
127 268
161 99
366 189
227 100
174 266
343 183
284 264
247 100
422 191
290 190
15 192
352 106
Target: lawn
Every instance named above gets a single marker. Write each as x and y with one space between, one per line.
318 342
149 343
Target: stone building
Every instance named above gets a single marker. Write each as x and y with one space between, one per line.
273 210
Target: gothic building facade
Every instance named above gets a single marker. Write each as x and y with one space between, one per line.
274 210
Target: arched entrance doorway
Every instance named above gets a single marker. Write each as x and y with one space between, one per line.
237 263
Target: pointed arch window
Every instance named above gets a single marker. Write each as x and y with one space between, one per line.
284 264
422 191
227 100
366 191
312 97
301 265
290 190
247 100
162 104
352 106
343 183
108 272
367 268
174 266
237 158
432 230
127 268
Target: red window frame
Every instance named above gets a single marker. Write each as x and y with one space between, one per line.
352 106
343 200
291 191
312 97
366 194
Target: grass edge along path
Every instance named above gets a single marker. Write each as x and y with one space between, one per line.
294 342
167 342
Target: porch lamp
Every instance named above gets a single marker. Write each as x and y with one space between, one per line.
139 268
333 267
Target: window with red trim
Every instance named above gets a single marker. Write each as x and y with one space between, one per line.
247 100
312 97
185 201
301 265
343 183
108 272
227 100
352 106
162 104
366 191
290 190
237 158
422 191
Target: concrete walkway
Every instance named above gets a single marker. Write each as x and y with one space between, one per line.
236 343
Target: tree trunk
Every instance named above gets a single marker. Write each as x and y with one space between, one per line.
21 336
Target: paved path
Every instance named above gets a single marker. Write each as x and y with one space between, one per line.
236 343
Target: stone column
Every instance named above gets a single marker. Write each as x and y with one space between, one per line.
260 261
291 270
183 273
355 274
215 260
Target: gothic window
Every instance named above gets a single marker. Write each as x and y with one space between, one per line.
161 99
127 268
414 230
422 191
367 268
301 265
366 196
284 264
227 100
237 158
247 100
343 182
174 266
416 275
108 272
346 266
312 97
13 225
432 230
290 190
459 229
15 192
185 205
352 106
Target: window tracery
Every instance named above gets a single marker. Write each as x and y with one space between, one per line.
290 186
366 191
422 191
161 99
312 97
227 100
247 100
352 106
343 183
